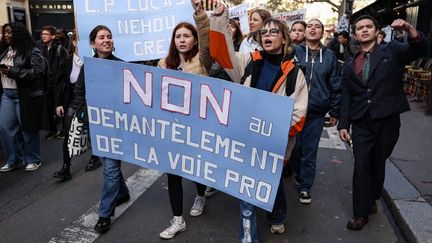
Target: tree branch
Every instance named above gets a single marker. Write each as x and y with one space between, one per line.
330 2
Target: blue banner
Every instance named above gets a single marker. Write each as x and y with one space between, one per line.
141 29
214 132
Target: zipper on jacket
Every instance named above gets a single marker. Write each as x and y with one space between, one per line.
311 73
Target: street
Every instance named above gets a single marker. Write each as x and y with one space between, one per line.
34 207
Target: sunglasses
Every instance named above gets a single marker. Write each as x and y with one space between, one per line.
272 32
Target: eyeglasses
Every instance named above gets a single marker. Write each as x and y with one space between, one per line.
272 32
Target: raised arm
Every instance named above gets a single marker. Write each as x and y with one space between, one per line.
203 26
222 47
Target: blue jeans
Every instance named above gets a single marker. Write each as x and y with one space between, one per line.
114 187
11 135
306 150
248 221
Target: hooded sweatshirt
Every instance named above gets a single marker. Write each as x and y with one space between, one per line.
323 78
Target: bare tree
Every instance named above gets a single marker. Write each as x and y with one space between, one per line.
337 5
285 5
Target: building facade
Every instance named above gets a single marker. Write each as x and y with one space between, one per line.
36 14
14 10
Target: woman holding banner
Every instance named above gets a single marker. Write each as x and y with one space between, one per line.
272 70
115 191
64 94
185 55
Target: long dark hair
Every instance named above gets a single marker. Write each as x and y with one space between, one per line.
237 36
22 41
172 60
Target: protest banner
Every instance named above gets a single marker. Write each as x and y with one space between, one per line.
141 29
343 24
240 11
291 17
214 132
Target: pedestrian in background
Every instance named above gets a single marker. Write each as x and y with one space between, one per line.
373 98
64 94
346 48
236 33
22 73
256 19
297 32
325 95
380 37
54 52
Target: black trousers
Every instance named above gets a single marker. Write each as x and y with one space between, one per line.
373 141
175 190
52 117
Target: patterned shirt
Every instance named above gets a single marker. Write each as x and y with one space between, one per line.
7 60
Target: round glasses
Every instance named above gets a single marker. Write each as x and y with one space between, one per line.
272 32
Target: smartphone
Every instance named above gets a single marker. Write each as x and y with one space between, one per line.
3 66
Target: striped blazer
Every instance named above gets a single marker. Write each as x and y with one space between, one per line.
382 95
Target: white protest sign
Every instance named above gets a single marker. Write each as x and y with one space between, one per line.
343 24
240 11
291 17
141 29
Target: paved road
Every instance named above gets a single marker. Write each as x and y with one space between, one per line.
34 207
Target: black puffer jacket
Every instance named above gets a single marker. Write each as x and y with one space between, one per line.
28 71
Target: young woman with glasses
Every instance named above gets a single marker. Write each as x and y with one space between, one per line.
273 71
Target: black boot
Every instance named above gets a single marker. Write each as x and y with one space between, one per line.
93 164
64 173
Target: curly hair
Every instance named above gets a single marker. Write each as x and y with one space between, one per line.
22 41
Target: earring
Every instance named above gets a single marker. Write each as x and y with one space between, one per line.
94 50
113 49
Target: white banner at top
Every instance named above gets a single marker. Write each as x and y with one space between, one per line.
240 11
291 17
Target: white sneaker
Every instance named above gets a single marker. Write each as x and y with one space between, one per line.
277 228
305 198
177 225
33 166
198 206
6 168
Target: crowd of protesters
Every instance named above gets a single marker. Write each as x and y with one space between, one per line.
355 80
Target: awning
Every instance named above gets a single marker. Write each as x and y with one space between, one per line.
357 10
374 9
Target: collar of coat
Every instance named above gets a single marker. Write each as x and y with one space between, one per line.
286 66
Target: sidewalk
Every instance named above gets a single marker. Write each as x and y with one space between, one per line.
408 185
